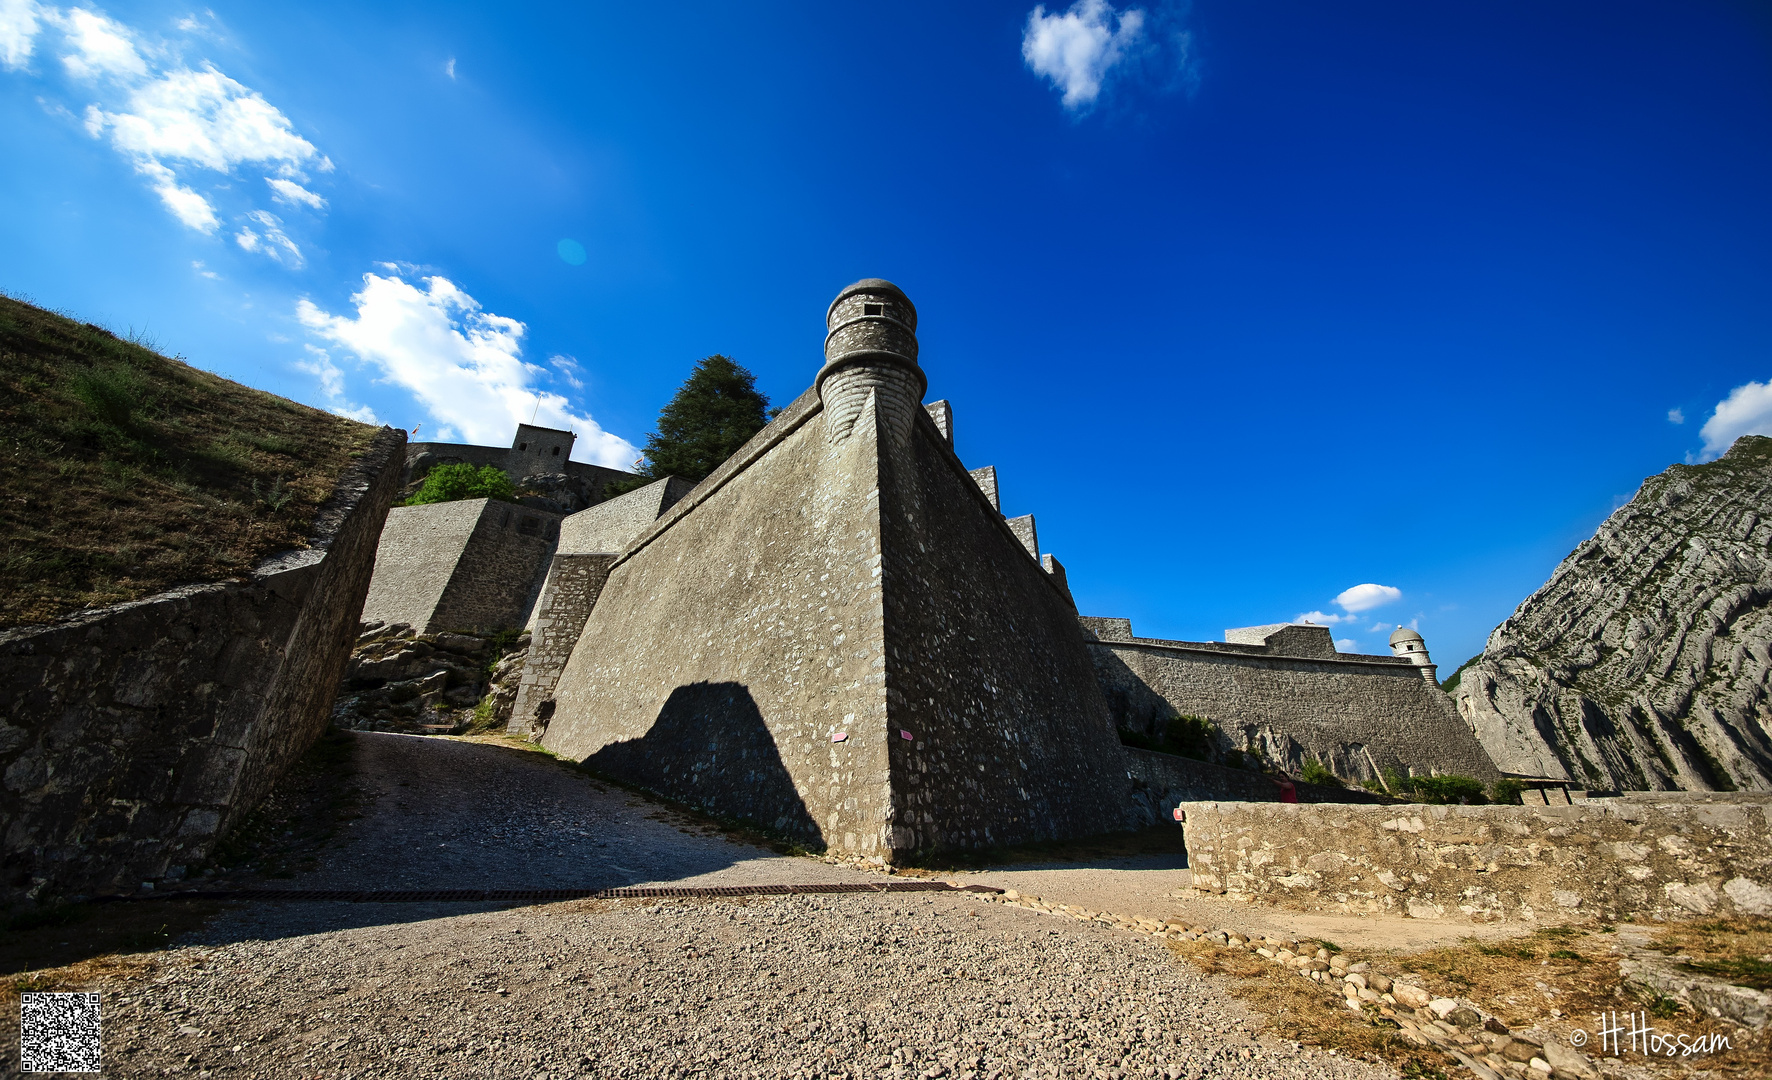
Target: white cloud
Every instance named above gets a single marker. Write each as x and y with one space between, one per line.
288 191
274 243
197 265
1676 416
186 205
1746 411
1077 49
1366 597
167 117
1322 618
332 385
567 368
463 364
207 119
449 68
101 46
1346 644
18 32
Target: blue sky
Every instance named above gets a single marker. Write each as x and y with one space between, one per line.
1256 305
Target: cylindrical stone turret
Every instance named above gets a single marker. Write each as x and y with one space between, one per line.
1408 644
871 346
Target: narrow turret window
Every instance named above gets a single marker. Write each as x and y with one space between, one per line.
522 446
873 309
556 451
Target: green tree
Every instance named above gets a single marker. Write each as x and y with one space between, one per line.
447 483
716 411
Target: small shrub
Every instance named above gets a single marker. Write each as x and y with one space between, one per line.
484 720
1184 736
275 496
274 444
1447 789
449 483
1506 791
109 394
1315 772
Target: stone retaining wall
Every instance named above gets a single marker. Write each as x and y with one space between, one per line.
1179 780
472 564
1605 859
1358 715
135 736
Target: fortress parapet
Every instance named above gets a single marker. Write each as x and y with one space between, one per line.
871 347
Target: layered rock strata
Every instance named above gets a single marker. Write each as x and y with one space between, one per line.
1644 662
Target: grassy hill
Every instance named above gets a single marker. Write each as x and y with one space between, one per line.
124 472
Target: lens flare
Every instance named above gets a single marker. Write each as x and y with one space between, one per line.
571 251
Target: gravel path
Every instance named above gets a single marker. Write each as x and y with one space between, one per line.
449 814
906 985
796 986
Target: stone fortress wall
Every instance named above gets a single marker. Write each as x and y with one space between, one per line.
1285 690
613 525
589 543
534 451
135 736
473 565
837 634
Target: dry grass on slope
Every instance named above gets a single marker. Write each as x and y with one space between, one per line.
124 473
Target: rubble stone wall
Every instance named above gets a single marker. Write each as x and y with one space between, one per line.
135 736
1172 780
1358 715
573 585
1600 859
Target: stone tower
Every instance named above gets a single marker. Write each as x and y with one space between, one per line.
871 347
1409 645
536 450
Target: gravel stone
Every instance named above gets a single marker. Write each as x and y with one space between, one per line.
897 985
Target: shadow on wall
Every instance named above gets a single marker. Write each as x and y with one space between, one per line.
710 747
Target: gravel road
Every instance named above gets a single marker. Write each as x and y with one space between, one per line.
901 985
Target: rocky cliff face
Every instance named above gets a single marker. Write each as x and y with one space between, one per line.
1643 663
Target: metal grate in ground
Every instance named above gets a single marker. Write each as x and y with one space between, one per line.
532 896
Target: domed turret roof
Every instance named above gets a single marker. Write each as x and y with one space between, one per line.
1403 633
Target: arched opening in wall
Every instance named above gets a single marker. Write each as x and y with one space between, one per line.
522 446
556 451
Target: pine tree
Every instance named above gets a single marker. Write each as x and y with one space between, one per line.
716 411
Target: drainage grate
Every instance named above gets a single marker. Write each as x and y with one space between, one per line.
531 896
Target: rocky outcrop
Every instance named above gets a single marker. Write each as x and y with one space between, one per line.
134 737
427 684
1644 662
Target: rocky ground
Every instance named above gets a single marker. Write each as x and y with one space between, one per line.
950 983
788 987
920 985
429 684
